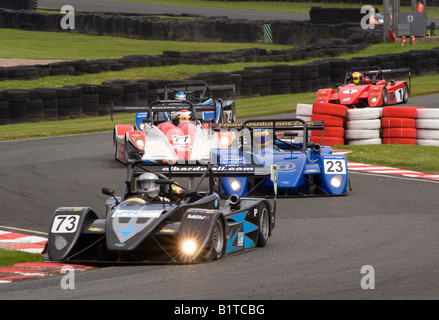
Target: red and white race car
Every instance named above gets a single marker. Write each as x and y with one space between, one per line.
166 131
366 87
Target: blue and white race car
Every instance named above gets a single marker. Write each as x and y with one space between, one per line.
303 168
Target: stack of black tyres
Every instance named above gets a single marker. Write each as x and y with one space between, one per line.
309 77
295 79
69 102
108 95
17 100
130 95
90 100
4 108
280 79
50 103
35 107
142 93
246 82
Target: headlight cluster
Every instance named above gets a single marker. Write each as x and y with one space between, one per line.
336 181
189 247
373 100
234 184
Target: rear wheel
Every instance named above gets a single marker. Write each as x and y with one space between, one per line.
264 225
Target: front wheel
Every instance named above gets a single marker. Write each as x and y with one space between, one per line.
264 225
405 93
217 241
384 94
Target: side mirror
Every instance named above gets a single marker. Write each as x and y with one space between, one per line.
108 191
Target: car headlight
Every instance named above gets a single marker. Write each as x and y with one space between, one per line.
140 144
373 100
234 184
189 247
336 181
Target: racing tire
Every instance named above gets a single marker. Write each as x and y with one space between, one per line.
264 225
430 113
331 109
303 109
329 121
427 123
405 93
428 134
363 124
427 142
361 142
399 133
397 122
401 112
361 134
364 114
384 94
114 145
217 240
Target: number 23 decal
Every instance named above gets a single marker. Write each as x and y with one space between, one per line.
334 166
65 224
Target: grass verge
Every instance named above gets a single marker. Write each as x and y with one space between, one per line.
10 257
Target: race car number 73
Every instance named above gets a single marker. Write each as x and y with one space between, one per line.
334 166
65 224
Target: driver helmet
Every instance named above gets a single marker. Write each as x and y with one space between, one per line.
261 138
183 115
357 77
180 96
146 183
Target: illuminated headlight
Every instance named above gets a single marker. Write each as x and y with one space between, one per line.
60 242
373 100
140 144
189 247
336 181
234 184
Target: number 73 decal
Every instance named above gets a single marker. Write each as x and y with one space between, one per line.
334 166
65 224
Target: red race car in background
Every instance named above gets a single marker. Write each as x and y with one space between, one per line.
366 87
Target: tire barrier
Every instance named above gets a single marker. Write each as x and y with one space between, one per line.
368 126
363 126
19 4
399 125
334 118
427 126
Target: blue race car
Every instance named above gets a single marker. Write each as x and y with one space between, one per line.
202 95
304 168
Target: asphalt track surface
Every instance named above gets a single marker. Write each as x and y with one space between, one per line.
316 252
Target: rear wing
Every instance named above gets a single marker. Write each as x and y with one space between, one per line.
196 89
377 72
294 124
166 106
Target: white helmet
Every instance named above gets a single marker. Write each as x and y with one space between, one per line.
146 183
180 96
